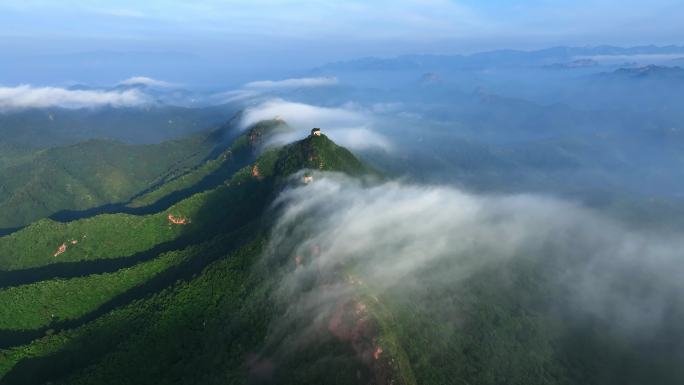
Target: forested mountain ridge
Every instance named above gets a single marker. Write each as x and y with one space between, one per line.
33 242
100 176
214 230
208 292
90 174
41 128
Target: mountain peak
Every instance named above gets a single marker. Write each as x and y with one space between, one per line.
317 151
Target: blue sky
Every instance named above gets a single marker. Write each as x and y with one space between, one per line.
440 24
315 31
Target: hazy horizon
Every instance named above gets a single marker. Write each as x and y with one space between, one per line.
45 43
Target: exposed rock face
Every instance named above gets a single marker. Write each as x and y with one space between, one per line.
255 171
178 220
351 323
61 249
255 136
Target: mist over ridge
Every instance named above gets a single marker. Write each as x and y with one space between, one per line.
313 192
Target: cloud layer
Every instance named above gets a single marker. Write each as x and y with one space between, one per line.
143 80
26 96
292 83
259 89
410 238
301 114
346 125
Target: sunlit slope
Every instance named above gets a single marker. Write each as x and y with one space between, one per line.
119 235
100 176
98 347
91 174
241 151
44 303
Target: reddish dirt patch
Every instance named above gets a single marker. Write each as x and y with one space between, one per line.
255 171
352 324
61 249
178 220
377 352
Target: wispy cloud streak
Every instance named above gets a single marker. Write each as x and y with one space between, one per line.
26 96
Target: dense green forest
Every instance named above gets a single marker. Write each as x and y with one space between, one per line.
99 176
42 128
62 161
140 299
90 174
39 304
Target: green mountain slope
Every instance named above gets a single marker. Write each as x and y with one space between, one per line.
260 186
103 176
90 174
40 304
241 151
43 128
119 235
112 236
152 302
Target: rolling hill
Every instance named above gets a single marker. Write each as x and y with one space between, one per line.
54 159
90 174
99 176
40 128
209 234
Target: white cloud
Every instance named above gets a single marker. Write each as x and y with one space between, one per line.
121 12
303 115
411 239
346 125
359 138
259 89
26 96
292 83
234 96
143 80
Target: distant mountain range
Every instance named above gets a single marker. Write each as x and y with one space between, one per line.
499 58
579 63
651 72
